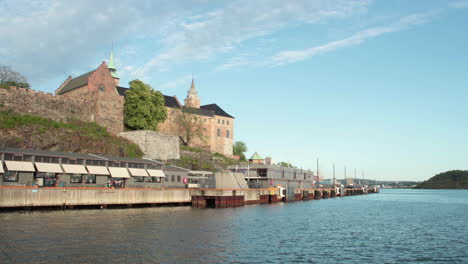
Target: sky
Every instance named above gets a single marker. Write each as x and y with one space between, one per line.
376 86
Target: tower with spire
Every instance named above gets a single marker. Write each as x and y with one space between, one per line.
112 69
192 99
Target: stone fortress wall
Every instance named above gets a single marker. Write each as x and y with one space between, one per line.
98 108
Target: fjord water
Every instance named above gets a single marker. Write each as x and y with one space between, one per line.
395 226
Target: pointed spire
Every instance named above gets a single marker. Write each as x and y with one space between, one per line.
111 66
192 99
192 93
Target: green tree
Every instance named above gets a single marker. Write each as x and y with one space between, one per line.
285 164
239 149
144 107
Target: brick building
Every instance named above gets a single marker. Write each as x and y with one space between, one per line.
101 86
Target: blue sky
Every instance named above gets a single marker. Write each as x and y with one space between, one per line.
379 86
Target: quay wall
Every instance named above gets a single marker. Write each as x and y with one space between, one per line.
31 197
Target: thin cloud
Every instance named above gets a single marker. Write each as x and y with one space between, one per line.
459 4
182 82
291 56
222 30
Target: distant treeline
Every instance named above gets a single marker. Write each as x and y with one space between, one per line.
456 179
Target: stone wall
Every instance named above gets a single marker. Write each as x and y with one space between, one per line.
97 107
155 145
22 101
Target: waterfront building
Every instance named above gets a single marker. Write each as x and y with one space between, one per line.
101 87
21 167
267 176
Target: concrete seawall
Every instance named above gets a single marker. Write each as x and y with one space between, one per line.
70 197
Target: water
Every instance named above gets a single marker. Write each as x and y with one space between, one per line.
395 226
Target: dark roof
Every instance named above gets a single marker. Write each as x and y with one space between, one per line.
169 101
121 90
199 111
216 109
38 152
76 82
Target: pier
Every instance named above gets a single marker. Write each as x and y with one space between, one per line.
72 198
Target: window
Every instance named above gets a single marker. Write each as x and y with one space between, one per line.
283 173
227 133
305 176
172 178
76 178
71 161
153 179
18 157
219 121
227 122
90 179
101 87
223 122
139 179
219 132
262 172
204 120
178 178
10 176
48 178
294 175
8 156
204 129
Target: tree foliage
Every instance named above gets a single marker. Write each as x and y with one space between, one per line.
144 107
456 179
285 164
8 77
190 126
239 149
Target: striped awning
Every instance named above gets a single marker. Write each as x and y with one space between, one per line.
97 170
74 169
119 172
156 173
19 165
138 172
48 167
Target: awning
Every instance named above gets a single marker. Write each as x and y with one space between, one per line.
98 170
74 169
19 165
156 173
138 172
48 167
1 167
119 172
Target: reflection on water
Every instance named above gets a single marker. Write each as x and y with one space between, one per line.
395 226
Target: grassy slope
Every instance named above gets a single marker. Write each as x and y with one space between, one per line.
23 131
456 179
199 159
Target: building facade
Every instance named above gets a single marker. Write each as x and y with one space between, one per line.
211 129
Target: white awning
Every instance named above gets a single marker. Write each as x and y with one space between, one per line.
138 172
19 165
1 167
119 172
156 173
97 170
48 167
74 169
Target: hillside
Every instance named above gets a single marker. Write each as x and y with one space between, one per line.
456 179
27 131
199 159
